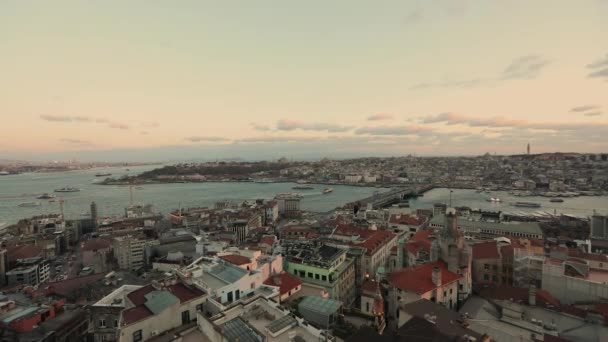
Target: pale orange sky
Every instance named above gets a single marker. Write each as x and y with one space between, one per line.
94 80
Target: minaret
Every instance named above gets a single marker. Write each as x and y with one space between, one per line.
528 149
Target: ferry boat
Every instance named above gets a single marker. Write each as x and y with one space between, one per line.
67 189
303 187
327 191
527 204
30 204
556 200
45 196
102 174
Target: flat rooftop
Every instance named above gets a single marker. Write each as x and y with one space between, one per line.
264 317
116 297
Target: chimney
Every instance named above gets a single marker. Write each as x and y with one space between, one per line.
436 276
532 295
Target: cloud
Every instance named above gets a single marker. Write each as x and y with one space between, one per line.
143 133
521 68
206 139
524 68
599 68
116 125
597 113
380 117
150 124
261 128
292 125
56 118
585 108
392 130
76 142
102 120
277 139
458 119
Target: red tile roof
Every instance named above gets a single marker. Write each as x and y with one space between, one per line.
135 314
236 259
486 250
419 278
138 297
285 281
370 286
422 235
96 244
269 240
406 219
378 239
184 293
23 252
350 231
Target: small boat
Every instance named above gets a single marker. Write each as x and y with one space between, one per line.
102 174
303 187
556 200
45 196
327 191
494 199
67 189
30 204
527 204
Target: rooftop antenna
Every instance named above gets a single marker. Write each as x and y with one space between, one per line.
451 191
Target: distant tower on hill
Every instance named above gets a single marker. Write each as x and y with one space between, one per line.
528 149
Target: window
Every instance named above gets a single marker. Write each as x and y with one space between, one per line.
115 323
185 317
494 279
486 266
102 323
450 291
367 307
309 274
601 265
324 278
495 268
445 293
199 307
137 336
486 277
295 272
317 276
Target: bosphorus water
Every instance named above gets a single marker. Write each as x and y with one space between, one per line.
111 200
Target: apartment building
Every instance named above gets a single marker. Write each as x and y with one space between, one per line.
31 271
129 251
324 267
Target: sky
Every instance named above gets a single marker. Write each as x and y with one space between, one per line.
167 80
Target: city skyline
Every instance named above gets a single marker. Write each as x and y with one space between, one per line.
145 82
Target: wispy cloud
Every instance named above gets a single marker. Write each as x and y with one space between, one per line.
117 125
380 117
150 124
261 128
459 119
585 108
207 139
522 68
144 132
57 118
292 125
392 130
599 68
76 142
